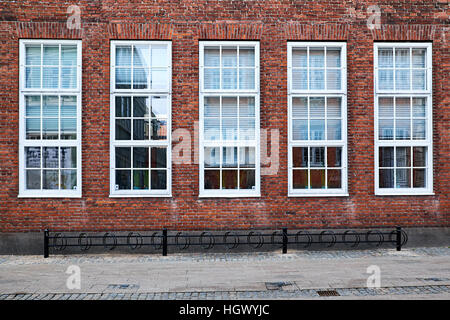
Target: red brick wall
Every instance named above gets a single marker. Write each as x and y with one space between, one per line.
185 22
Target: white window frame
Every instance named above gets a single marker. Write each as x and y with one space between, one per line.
140 143
23 142
428 142
294 93
221 193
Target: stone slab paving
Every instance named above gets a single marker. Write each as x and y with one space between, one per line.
414 273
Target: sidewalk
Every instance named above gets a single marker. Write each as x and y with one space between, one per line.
410 273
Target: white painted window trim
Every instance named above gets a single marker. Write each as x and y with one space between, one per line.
140 143
23 143
203 193
428 142
343 191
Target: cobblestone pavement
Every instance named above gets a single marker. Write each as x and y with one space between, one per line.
411 273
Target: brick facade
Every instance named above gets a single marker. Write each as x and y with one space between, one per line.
271 22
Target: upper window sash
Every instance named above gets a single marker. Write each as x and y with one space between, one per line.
328 65
402 65
234 65
50 57
141 66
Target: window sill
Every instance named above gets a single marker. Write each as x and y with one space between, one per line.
231 195
305 195
147 195
404 193
27 195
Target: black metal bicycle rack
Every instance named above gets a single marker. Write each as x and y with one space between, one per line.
162 240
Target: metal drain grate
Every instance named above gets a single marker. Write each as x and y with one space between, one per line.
328 293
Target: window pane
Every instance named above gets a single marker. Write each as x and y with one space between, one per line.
33 157
32 77
159 129
229 157
386 157
141 107
229 179
123 106
403 129
317 179
403 155
141 129
50 106
317 157
299 79
300 179
229 128
246 106
140 78
402 108
246 57
33 106
159 179
159 79
212 57
386 129
300 129
123 56
334 179
140 180
317 107
333 79
334 155
212 78
300 107
316 58
419 129
33 128
68 128
141 56
419 178
50 179
212 106
385 58
229 107
212 128
212 157
123 179
68 157
299 58
418 58
247 129
229 57
159 157
159 106
300 157
33 179
33 55
159 56
123 157
402 58
68 78
247 179
212 179
247 157
68 55
316 79
402 79
333 107
123 78
51 55
385 79
68 106
229 78
403 177
418 79
386 179
50 77
334 129
317 129
386 107
140 157
419 107
68 179
50 128
333 57
246 78
419 156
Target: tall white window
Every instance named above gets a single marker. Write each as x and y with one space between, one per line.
317 106
50 118
403 119
140 118
229 119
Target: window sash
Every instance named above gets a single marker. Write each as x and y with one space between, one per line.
149 143
411 143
